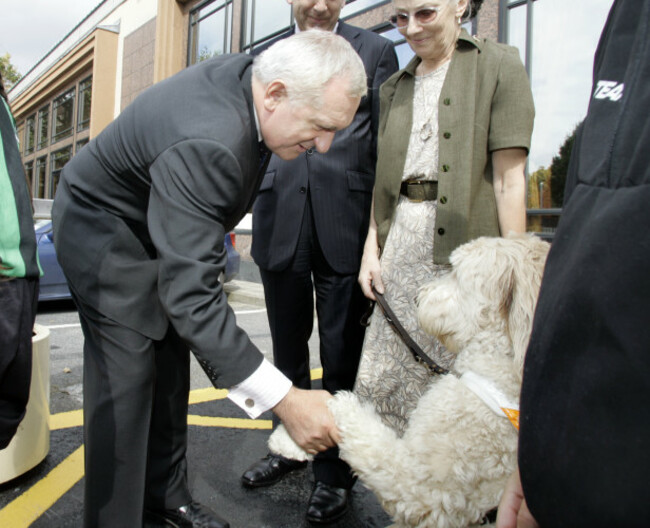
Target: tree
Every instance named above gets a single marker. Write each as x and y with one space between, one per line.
559 168
10 75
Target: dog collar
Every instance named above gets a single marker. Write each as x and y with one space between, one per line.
492 396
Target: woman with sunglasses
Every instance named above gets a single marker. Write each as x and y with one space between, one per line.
454 134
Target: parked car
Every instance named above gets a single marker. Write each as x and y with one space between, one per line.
53 285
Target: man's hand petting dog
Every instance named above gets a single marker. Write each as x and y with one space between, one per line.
306 417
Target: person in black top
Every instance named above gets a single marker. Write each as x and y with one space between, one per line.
19 277
584 437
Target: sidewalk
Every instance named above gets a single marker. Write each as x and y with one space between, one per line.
245 292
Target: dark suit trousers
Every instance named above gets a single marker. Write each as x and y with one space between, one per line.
135 422
339 306
18 302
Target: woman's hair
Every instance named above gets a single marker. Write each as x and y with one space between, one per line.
307 61
3 94
473 7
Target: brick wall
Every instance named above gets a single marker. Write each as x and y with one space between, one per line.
138 62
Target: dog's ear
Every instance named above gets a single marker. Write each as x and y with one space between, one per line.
527 270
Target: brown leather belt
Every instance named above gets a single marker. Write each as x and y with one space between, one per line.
419 190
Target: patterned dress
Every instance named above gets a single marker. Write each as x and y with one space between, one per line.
388 374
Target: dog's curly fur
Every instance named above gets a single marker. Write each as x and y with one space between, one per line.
452 463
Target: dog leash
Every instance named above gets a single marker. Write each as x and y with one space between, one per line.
484 389
415 349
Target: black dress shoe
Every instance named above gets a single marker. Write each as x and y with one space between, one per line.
327 503
192 515
269 470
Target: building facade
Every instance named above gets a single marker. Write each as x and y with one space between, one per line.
122 47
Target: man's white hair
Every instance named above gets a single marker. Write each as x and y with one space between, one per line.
307 61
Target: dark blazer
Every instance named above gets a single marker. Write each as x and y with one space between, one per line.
141 212
340 181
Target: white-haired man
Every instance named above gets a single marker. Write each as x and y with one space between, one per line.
140 215
309 225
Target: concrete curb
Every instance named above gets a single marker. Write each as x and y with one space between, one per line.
245 292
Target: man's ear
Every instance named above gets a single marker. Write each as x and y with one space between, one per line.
274 94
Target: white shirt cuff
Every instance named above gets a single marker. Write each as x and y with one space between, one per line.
261 391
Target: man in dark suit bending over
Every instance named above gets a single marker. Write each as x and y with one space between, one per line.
140 216
309 222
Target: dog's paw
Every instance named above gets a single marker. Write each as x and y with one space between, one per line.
281 443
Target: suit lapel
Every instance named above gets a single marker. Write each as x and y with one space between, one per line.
351 34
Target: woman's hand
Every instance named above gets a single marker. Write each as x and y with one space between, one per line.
370 272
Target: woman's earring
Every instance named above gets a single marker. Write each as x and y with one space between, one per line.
459 21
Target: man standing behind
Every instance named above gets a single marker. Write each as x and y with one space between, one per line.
309 226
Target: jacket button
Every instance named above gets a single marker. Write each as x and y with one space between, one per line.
441 231
310 151
303 190
249 403
445 168
446 101
446 135
443 200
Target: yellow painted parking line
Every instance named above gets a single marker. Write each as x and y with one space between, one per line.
66 420
205 395
232 423
24 510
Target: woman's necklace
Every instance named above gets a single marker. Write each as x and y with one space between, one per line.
428 103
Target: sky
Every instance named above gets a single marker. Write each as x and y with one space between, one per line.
31 28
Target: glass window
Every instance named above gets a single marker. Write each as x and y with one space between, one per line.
265 19
29 168
561 90
30 134
43 126
80 144
403 50
355 6
39 177
59 159
210 31
85 96
62 111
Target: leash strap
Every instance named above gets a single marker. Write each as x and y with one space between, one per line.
417 352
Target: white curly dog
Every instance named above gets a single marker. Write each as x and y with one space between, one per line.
451 465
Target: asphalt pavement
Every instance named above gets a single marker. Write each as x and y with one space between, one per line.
222 443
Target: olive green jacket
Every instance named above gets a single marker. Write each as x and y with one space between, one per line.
485 105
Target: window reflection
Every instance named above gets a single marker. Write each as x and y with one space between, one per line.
356 6
264 20
43 126
85 97
210 31
29 169
62 110
39 177
30 132
58 161
561 51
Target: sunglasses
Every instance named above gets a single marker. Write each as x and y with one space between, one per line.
422 16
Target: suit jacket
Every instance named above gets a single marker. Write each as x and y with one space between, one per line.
340 181
141 212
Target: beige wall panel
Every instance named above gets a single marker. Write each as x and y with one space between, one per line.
104 71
